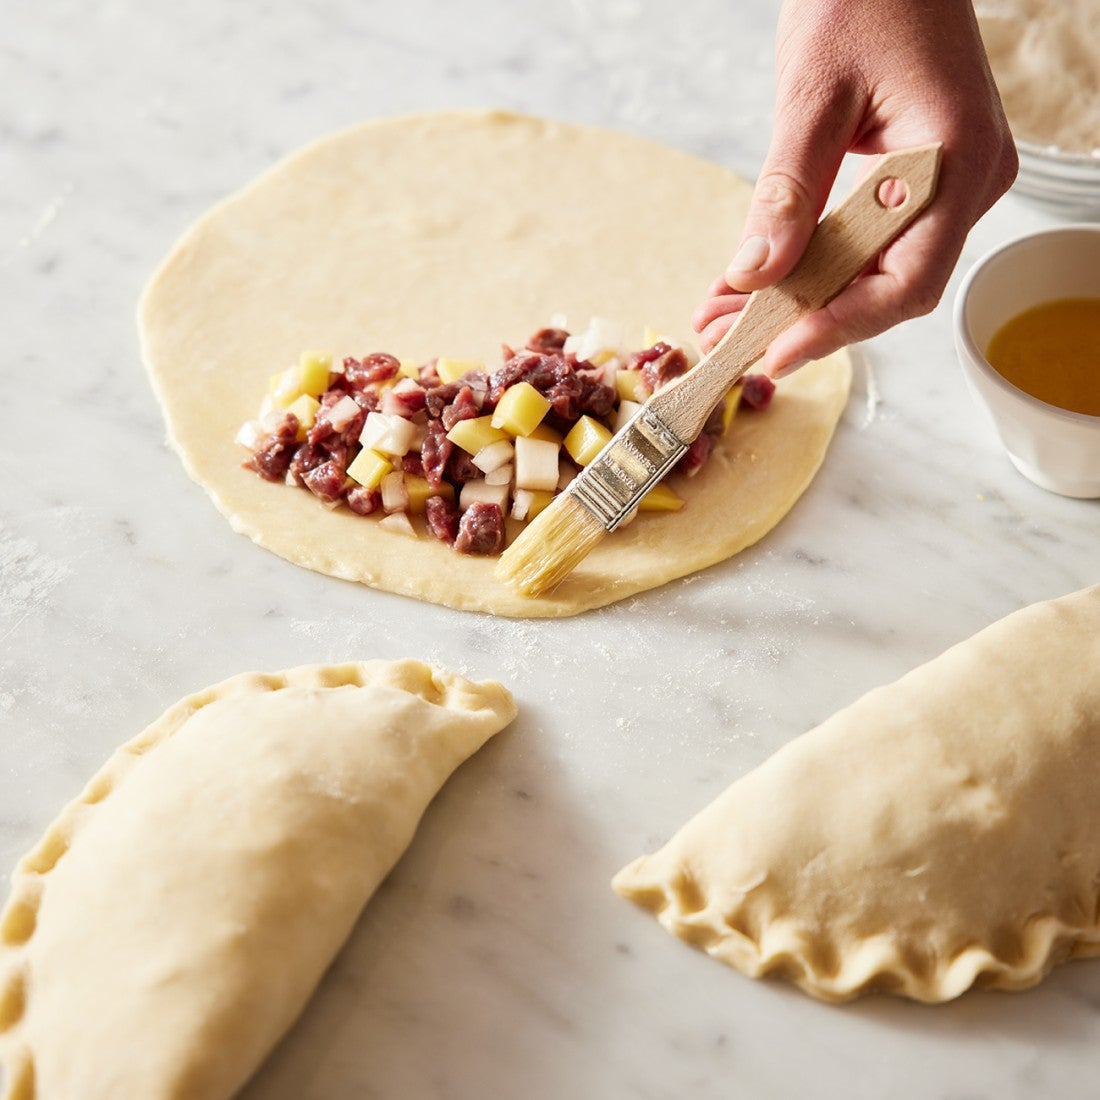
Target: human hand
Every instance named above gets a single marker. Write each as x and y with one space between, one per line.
867 76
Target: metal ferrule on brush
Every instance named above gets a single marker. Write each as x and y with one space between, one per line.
611 486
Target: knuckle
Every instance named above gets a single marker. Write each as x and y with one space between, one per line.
921 299
780 197
1007 167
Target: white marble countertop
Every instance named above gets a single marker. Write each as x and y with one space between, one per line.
496 961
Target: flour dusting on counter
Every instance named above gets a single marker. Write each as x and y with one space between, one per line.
27 577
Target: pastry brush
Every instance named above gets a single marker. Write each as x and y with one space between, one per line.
606 491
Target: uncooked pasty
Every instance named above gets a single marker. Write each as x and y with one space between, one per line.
170 925
940 832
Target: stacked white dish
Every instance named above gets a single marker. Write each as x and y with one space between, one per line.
1066 183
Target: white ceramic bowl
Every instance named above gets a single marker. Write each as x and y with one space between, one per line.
1055 448
1065 183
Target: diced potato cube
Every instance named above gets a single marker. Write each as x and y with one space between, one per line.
585 440
624 414
630 385
527 503
475 433
520 409
536 463
451 370
305 409
730 405
409 368
495 455
285 387
544 431
651 337
368 468
660 499
481 491
419 489
314 368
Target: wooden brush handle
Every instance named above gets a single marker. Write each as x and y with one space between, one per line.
845 241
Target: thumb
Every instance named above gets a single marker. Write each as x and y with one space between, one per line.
810 138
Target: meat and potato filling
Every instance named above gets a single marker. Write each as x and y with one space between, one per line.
462 447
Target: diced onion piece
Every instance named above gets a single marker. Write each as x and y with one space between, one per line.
585 440
629 385
305 409
502 475
267 405
451 370
395 497
390 435
272 421
608 369
342 413
249 434
730 404
495 455
374 430
527 503
314 368
520 409
624 414
481 491
475 433
660 499
600 336
536 463
401 437
368 468
399 523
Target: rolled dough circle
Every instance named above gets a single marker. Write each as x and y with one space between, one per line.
448 234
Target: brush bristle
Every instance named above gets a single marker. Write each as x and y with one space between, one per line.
551 547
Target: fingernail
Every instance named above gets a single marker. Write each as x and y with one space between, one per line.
751 256
788 368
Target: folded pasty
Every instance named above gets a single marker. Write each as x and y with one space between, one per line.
172 922
942 831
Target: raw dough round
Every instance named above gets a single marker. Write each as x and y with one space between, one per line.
446 234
